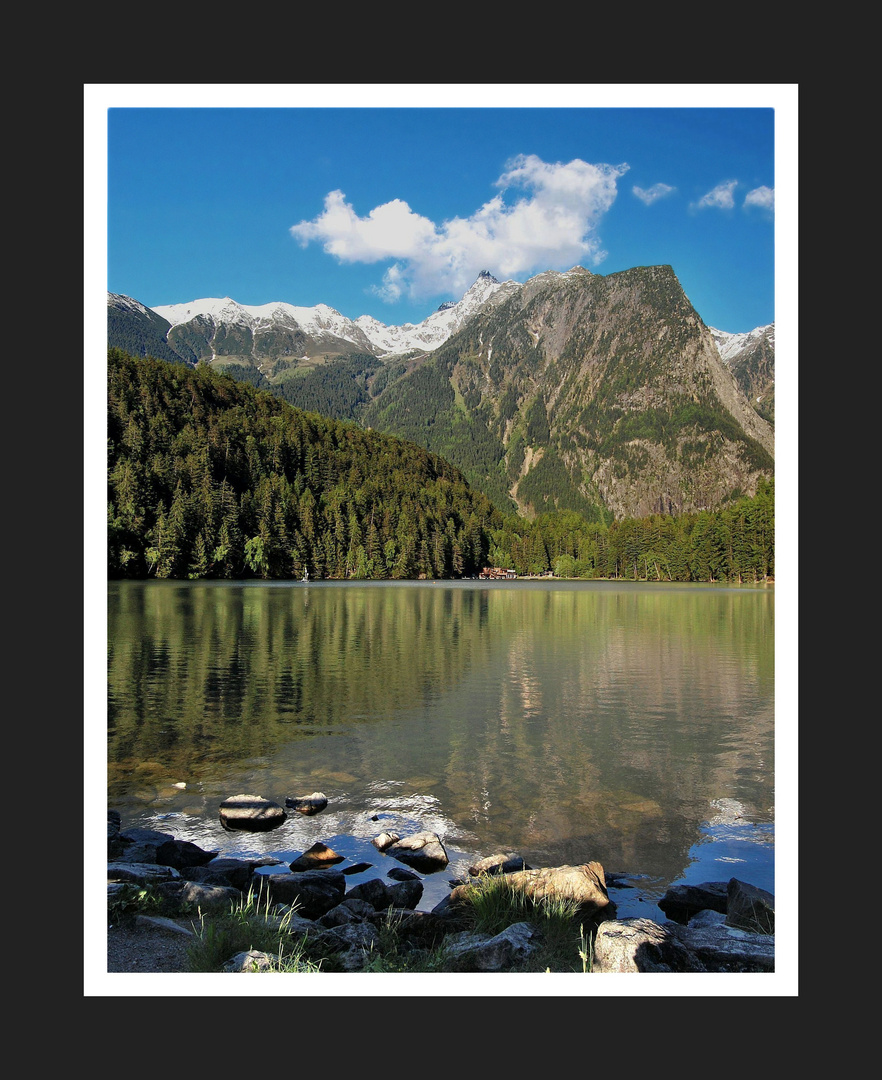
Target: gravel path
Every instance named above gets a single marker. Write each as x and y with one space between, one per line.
148 946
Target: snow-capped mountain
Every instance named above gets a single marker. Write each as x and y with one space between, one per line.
441 324
496 383
317 328
751 359
731 345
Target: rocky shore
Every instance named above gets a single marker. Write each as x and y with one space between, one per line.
723 926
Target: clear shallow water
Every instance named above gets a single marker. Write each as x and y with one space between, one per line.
568 721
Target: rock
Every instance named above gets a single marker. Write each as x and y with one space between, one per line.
499 864
308 804
400 874
252 961
207 897
140 873
356 868
115 845
681 902
227 871
465 951
350 909
312 892
633 945
383 841
375 892
726 948
158 922
406 894
750 908
181 853
315 858
584 884
252 813
423 851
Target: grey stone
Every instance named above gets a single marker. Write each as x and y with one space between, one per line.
467 951
634 945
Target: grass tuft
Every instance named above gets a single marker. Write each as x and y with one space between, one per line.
256 923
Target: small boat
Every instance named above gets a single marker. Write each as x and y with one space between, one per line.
305 574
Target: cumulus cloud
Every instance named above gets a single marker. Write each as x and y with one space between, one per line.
650 195
763 197
553 224
721 196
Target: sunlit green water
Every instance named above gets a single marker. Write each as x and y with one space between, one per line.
630 724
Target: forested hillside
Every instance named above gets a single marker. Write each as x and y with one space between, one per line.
210 478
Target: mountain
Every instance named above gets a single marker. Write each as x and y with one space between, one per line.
603 395
751 359
607 395
138 330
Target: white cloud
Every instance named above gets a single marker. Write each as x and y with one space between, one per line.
763 197
553 225
721 196
650 195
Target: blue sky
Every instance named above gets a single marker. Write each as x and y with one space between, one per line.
389 201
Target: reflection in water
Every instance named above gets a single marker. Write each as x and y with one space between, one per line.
569 721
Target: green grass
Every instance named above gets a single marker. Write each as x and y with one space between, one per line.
252 923
492 904
495 903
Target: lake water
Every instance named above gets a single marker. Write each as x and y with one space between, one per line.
632 724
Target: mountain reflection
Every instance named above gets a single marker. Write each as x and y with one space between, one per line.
571 721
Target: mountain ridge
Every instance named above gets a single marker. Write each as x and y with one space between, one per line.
603 394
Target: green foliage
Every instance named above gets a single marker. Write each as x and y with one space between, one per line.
338 390
209 478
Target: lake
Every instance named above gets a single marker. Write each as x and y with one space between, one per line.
632 724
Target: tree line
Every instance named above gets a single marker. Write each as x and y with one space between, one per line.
210 478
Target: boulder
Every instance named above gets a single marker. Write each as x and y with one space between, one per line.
181 853
726 948
467 951
228 871
500 864
681 902
115 845
312 892
252 813
350 909
406 894
140 873
374 891
383 841
750 908
315 858
206 897
423 851
585 884
632 945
